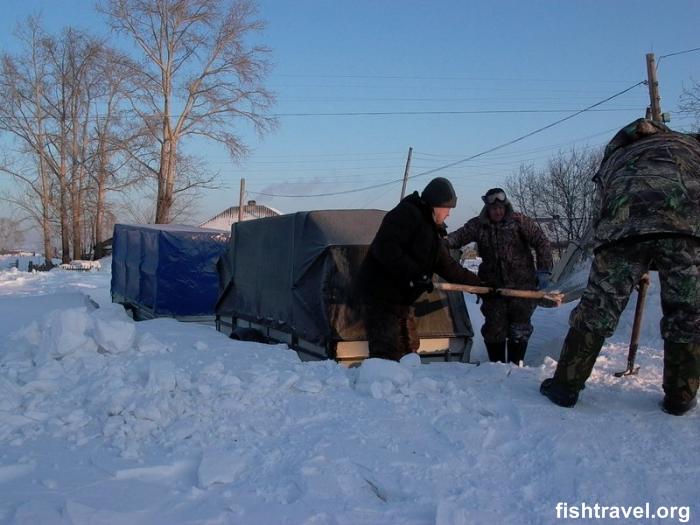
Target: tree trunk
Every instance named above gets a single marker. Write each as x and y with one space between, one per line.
46 197
63 205
76 221
166 181
99 218
45 212
100 198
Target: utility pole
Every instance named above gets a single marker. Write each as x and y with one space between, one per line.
240 201
654 97
405 173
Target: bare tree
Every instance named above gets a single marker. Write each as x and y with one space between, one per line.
561 195
198 77
524 189
113 142
690 103
136 202
570 192
23 84
72 60
63 98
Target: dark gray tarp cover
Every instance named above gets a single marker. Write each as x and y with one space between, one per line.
167 269
294 273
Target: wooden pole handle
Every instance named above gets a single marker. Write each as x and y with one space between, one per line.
554 297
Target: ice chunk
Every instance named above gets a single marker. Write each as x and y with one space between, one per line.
64 333
114 331
381 377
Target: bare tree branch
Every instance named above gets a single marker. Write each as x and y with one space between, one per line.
561 195
199 77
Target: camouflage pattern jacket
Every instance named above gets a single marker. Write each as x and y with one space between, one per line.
506 248
648 184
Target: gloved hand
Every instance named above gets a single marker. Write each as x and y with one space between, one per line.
472 279
543 277
424 284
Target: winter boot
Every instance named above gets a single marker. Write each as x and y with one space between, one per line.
497 351
575 366
681 373
677 407
558 394
516 351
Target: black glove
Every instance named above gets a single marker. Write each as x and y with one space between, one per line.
472 279
424 284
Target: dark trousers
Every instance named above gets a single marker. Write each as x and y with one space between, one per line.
391 330
507 318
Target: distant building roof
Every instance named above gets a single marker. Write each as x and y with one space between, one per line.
226 218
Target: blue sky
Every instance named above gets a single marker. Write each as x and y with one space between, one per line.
539 60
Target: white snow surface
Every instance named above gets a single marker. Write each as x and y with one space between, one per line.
108 421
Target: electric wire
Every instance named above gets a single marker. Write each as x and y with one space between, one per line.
461 161
450 112
675 54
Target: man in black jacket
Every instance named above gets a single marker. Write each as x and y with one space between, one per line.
399 267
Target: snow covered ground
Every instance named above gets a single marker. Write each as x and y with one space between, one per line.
107 421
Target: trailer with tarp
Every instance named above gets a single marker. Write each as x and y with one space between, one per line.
290 278
167 270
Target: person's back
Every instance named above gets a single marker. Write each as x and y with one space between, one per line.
650 187
648 217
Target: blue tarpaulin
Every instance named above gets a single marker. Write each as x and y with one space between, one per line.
166 270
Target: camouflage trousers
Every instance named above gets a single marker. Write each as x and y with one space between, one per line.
506 318
391 331
681 370
618 268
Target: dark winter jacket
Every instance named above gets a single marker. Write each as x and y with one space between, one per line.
407 247
648 184
506 248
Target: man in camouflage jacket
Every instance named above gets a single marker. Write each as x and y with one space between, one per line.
406 251
648 218
505 241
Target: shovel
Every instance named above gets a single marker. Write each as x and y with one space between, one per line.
549 299
631 370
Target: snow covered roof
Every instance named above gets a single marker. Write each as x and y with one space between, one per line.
226 218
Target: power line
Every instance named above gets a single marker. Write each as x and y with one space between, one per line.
469 112
447 156
315 155
471 79
675 54
129 113
680 53
461 161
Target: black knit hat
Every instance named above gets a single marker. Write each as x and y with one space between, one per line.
439 193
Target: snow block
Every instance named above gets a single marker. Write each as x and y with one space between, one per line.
166 270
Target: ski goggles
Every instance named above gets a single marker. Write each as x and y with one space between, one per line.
495 197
